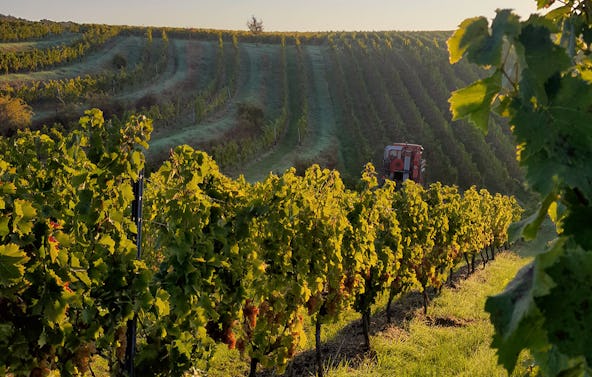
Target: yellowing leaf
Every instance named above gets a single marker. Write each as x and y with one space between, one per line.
24 215
162 302
108 242
552 211
7 188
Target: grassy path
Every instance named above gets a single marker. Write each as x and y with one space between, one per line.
251 78
174 73
321 123
452 340
279 158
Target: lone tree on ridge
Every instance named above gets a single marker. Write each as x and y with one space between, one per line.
255 25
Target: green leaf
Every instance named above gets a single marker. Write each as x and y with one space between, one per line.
544 3
541 242
23 218
136 158
557 13
473 39
12 264
474 101
7 188
556 139
505 24
529 227
517 322
6 331
83 277
573 93
542 56
55 310
468 38
127 193
92 118
84 205
53 251
572 276
573 226
4 230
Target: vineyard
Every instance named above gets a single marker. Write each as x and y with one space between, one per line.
222 260
261 103
243 205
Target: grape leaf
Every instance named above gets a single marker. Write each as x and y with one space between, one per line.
573 225
529 227
544 3
23 218
474 101
467 38
12 264
473 39
543 57
505 24
545 309
572 277
162 302
4 230
517 322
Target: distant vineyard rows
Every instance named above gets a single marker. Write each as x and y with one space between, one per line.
224 261
43 58
196 84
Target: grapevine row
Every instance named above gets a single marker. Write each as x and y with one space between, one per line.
413 69
94 36
224 261
92 88
14 29
260 134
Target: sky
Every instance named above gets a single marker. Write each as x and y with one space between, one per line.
277 15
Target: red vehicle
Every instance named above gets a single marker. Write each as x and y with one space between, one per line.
403 161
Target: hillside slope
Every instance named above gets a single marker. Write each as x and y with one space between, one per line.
264 103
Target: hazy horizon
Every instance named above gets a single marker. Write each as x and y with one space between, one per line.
278 15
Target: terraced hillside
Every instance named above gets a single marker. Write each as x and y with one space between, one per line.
261 103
